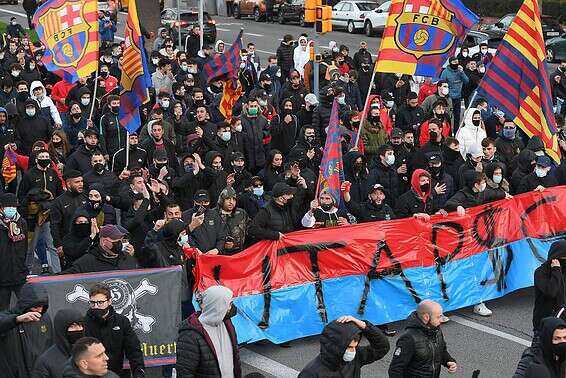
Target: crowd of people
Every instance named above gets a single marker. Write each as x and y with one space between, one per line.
81 195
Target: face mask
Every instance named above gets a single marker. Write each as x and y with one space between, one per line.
252 111
262 102
10 212
15 73
114 109
444 91
155 61
43 163
116 247
30 112
390 160
435 170
184 67
341 100
226 136
509 133
22 96
104 74
57 144
258 191
349 356
183 240
85 101
481 70
344 79
357 167
82 230
433 135
483 185
238 128
539 153
559 349
453 66
425 187
232 312
326 206
76 116
476 122
465 54
540 172
497 179
278 74
242 65
95 205
188 168
484 51
309 139
73 336
98 167
160 165
267 87
97 313
389 104
192 70
32 67
165 103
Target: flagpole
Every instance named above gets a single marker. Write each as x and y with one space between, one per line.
365 106
127 149
94 95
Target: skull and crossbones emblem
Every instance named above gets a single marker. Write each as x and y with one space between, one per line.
124 300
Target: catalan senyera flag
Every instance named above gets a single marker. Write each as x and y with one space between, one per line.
69 31
420 35
232 92
135 80
9 166
516 81
331 173
225 65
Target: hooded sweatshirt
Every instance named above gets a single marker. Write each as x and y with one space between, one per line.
52 362
31 129
301 55
46 105
469 134
415 200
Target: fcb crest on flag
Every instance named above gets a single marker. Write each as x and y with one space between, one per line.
69 31
424 29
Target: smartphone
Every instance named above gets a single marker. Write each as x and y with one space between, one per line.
201 210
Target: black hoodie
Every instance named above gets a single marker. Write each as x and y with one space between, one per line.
52 362
334 340
550 287
22 343
524 167
75 243
31 129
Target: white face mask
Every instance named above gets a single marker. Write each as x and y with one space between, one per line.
85 101
389 104
165 103
497 179
540 172
390 160
226 136
30 112
465 54
242 65
484 51
349 356
15 73
483 185
481 69
444 91
238 128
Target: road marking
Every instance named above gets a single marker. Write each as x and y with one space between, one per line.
267 365
254 34
491 331
223 30
230 23
265 52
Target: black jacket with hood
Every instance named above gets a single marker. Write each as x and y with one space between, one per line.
31 129
334 340
76 242
539 360
361 181
550 284
13 250
51 363
415 201
22 343
524 167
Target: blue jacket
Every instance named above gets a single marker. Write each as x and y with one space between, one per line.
456 81
106 34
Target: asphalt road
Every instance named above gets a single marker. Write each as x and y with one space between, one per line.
493 345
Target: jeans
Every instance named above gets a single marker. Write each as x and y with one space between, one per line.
43 231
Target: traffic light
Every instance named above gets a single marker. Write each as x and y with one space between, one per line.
310 11
323 19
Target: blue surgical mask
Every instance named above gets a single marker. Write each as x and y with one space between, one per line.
540 172
10 212
258 191
349 356
509 133
183 240
226 136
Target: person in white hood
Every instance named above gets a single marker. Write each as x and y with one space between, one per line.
472 133
39 94
301 55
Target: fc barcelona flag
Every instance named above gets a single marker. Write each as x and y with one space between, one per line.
230 96
69 31
331 173
420 35
225 65
516 81
135 80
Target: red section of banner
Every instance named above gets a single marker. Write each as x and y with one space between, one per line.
408 243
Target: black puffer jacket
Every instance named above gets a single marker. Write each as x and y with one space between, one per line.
31 129
420 351
196 357
285 54
550 284
13 269
22 343
51 363
539 360
61 214
334 341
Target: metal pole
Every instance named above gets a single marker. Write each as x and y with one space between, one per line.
201 21
365 105
178 22
127 149
316 65
94 95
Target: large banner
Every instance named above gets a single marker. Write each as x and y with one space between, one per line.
379 271
150 298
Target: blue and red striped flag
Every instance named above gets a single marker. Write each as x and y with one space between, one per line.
516 81
331 173
225 65
135 80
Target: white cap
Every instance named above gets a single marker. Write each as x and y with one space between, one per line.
311 99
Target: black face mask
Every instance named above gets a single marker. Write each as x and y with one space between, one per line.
326 206
105 74
450 154
73 336
22 96
559 349
43 163
232 312
453 66
238 169
160 165
357 167
95 205
76 116
97 313
57 144
435 170
267 87
98 167
425 187
116 247
82 230
133 147
115 109
433 135
476 122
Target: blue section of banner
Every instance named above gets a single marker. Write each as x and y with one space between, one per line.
484 276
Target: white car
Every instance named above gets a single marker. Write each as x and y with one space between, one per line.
350 14
375 20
